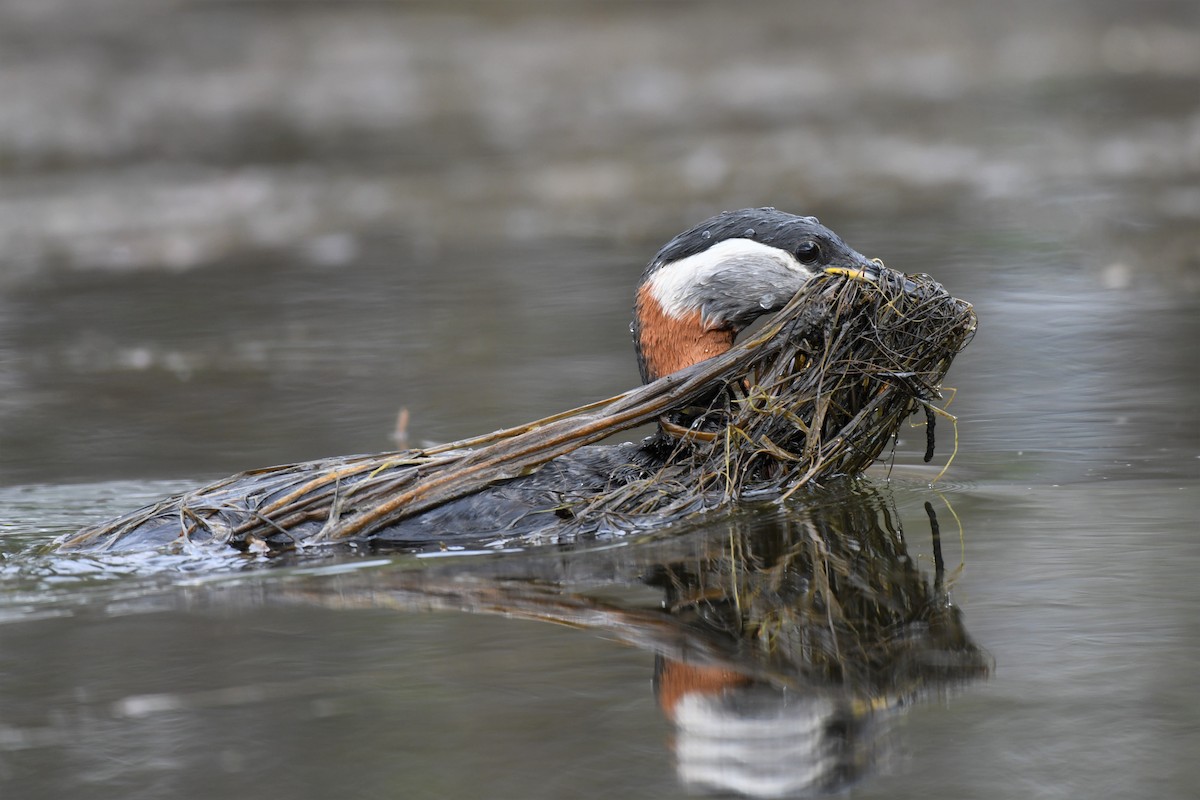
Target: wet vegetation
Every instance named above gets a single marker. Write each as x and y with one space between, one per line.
819 392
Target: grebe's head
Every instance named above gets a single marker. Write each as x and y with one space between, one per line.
710 282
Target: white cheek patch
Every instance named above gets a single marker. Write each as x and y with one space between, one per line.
682 287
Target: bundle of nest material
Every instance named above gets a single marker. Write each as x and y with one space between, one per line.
820 390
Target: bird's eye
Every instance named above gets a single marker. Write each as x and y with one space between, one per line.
809 252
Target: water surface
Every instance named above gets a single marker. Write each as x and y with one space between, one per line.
245 234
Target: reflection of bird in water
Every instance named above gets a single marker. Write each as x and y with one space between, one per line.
839 628
701 289
784 645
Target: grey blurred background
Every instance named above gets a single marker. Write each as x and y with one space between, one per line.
172 134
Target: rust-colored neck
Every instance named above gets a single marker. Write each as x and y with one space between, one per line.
675 680
667 343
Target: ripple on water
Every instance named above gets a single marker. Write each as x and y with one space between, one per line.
39 582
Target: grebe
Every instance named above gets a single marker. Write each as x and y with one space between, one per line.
701 290
711 281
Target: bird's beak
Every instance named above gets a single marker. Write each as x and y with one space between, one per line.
867 272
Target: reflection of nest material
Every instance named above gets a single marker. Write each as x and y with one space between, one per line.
821 598
832 600
819 391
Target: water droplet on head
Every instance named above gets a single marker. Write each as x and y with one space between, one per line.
633 327
706 235
749 232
